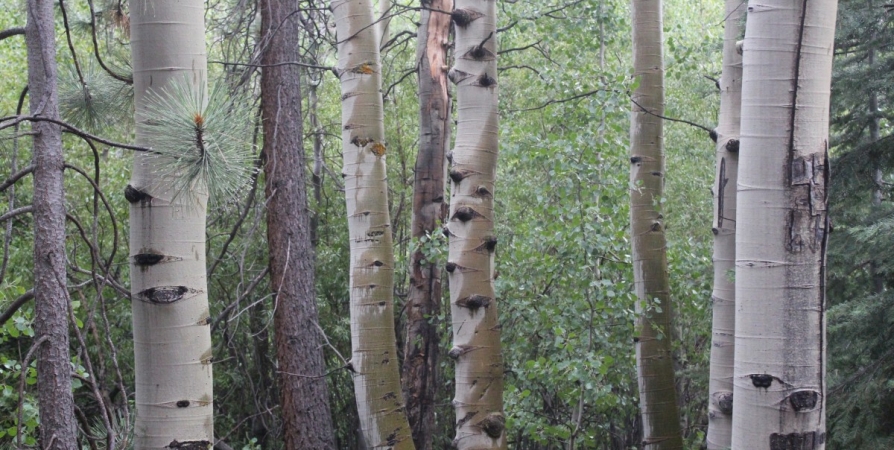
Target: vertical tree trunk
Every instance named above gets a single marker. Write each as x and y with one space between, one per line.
476 328
420 370
720 386
172 339
307 421
374 354
654 361
779 385
55 399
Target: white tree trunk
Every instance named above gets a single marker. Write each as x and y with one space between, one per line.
172 338
720 386
374 353
480 423
779 385
654 358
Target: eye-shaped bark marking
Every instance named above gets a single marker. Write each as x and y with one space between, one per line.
724 401
463 17
794 441
762 380
493 425
732 146
134 195
474 301
804 400
465 214
147 259
163 295
460 350
485 80
183 403
457 76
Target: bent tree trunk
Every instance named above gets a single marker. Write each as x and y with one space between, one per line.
720 386
307 421
654 361
54 394
374 351
779 385
172 338
476 329
420 370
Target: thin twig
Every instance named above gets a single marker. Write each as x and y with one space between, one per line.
15 120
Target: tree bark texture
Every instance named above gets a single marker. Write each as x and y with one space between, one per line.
374 361
54 393
723 298
779 385
172 338
654 359
307 420
420 369
480 423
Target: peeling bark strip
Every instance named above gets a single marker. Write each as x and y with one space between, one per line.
420 375
172 341
374 353
476 331
654 360
782 221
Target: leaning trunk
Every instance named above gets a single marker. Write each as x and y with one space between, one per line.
374 359
172 338
480 422
654 360
307 422
54 395
720 386
781 234
420 370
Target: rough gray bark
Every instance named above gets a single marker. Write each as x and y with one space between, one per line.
307 421
420 370
55 399
781 231
654 360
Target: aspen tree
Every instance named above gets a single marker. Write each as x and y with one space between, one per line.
172 339
654 360
374 354
478 402
723 298
779 383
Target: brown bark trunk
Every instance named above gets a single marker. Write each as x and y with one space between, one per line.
57 419
420 370
307 421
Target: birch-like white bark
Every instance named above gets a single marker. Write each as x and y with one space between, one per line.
374 353
654 360
480 423
779 385
723 298
172 338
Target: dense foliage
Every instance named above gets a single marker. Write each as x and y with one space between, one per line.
565 281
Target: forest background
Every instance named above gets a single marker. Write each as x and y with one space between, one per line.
565 278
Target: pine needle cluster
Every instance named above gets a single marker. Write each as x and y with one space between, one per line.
200 139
